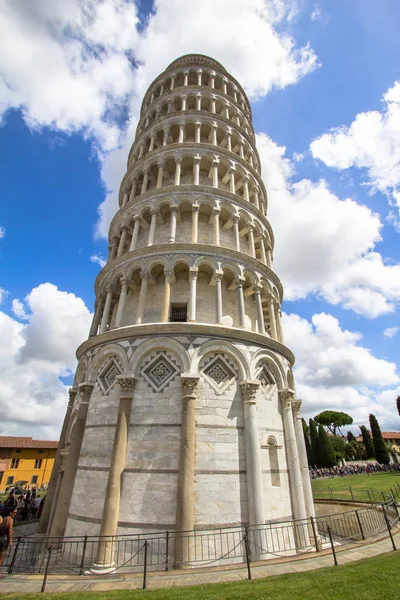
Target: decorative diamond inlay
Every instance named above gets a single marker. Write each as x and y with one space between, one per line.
108 375
219 373
160 372
265 378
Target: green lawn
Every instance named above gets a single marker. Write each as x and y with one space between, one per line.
370 579
380 482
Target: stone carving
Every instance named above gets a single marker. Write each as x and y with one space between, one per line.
219 373
265 377
85 390
127 383
249 391
286 397
108 375
189 384
160 372
296 406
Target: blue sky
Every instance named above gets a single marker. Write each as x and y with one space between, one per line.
72 79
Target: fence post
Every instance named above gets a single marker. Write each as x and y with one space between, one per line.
166 550
352 495
314 534
83 555
332 546
388 527
331 493
14 556
360 526
50 549
369 496
383 496
247 550
246 528
146 544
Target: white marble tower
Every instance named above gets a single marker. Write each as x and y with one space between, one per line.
183 413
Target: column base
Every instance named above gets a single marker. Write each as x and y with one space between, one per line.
101 569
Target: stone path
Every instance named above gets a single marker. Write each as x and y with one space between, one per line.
61 583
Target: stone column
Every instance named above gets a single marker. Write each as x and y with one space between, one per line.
212 79
293 464
224 85
169 278
160 175
255 196
240 300
121 302
57 528
272 323
260 313
152 230
226 110
216 212
232 187
301 449
241 149
213 102
198 101
196 170
181 133
279 325
199 74
195 223
112 498
151 145
125 198
165 137
262 248
141 151
145 182
185 78
187 460
236 232
113 249
253 458
135 233
193 272
246 188
133 190
218 296
122 242
184 98
51 496
214 134
172 232
178 167
142 296
251 241
96 318
229 139
269 258
215 166
197 132
172 82
106 311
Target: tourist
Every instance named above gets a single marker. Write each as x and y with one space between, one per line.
6 531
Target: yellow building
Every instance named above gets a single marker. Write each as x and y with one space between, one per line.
25 461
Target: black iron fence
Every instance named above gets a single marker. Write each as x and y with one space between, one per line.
368 495
159 551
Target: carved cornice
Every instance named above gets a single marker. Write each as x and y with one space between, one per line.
249 391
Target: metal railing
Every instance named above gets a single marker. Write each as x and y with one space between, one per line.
366 495
157 551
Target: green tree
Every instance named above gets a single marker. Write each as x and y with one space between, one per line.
351 437
307 442
314 443
339 447
367 441
381 452
354 451
398 404
333 420
326 452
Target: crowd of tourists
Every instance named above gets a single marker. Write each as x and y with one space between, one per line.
28 505
342 471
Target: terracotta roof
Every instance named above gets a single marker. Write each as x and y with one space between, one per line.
8 441
387 435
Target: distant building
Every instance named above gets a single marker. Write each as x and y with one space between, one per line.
390 437
25 461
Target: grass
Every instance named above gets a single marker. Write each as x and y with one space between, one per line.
370 579
380 482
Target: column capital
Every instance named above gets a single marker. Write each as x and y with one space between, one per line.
214 125
154 211
72 392
296 406
123 280
127 383
197 158
174 208
195 208
286 397
169 275
219 275
189 384
199 70
186 72
144 274
193 272
239 282
215 161
160 162
236 218
249 390
216 210
251 226
85 388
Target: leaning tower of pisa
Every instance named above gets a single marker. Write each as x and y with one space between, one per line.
183 414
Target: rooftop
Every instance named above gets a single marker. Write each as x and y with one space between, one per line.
9 441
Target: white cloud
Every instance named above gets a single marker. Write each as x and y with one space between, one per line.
335 371
390 332
324 245
34 355
371 142
2 232
3 295
18 309
97 258
316 13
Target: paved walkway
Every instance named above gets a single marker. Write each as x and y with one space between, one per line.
61 583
